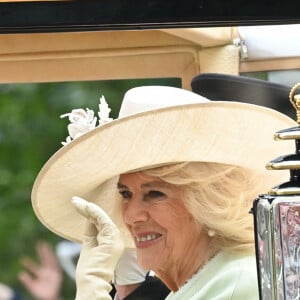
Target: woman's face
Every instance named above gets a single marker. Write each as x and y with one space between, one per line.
164 231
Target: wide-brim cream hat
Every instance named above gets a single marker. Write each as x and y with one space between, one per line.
157 125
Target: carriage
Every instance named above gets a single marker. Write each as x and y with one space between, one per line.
220 44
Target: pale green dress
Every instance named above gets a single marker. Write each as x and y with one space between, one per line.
225 277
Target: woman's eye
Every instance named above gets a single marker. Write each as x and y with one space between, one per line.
155 194
125 194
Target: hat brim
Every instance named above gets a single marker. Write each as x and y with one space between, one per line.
221 132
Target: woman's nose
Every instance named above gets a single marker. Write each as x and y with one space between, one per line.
135 211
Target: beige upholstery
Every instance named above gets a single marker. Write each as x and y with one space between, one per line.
183 53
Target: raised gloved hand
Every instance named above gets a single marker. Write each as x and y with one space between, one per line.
102 247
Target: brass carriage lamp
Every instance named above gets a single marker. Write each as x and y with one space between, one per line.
277 223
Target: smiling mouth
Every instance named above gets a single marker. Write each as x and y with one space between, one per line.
148 237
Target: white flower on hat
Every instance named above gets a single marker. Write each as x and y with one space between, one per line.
104 112
82 121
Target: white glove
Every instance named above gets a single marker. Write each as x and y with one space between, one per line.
102 247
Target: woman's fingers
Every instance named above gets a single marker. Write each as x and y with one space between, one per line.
92 212
100 229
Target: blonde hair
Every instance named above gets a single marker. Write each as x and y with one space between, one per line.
219 197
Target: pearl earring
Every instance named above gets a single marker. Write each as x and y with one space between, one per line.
211 232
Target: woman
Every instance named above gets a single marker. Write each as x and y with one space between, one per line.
180 179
